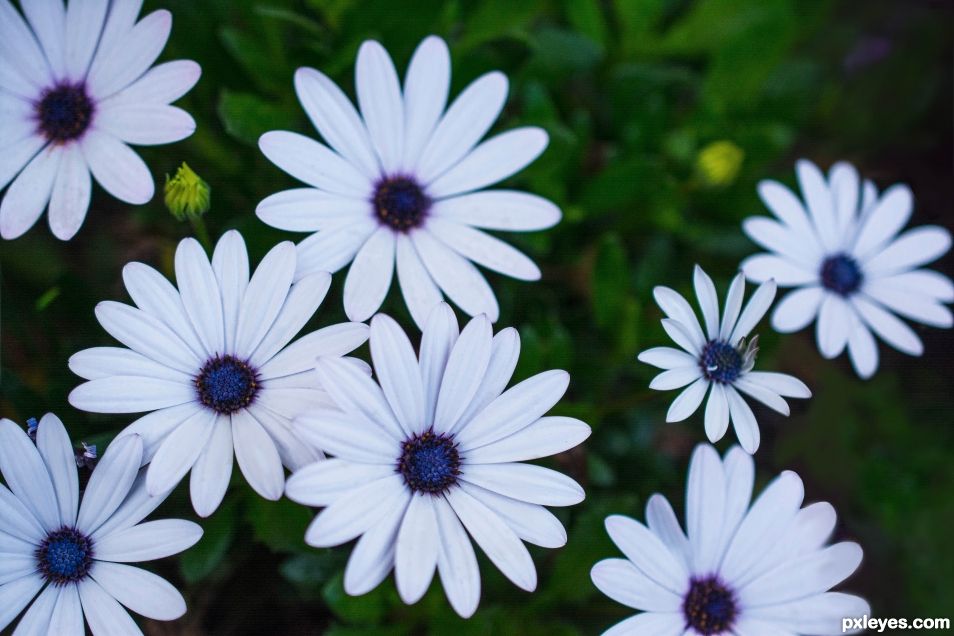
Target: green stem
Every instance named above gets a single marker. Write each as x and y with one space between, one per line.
198 225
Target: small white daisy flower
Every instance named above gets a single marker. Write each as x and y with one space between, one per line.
75 552
209 360
850 267
75 88
435 453
399 184
741 571
718 356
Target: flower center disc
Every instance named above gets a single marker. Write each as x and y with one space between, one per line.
720 362
429 463
65 556
226 384
64 112
840 273
709 607
400 203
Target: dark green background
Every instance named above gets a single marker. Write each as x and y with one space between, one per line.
630 91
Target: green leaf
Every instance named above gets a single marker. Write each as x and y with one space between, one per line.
246 117
370 608
207 555
610 281
278 524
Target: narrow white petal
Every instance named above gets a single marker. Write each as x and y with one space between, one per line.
888 327
369 278
179 451
806 576
323 482
525 482
315 164
36 621
47 19
301 355
106 617
781 239
507 210
708 301
781 383
300 305
677 308
833 326
257 456
71 193
147 335
911 304
213 469
818 614
230 266
532 522
746 427
415 555
116 67
162 84
763 394
705 507
117 167
676 378
154 427
739 480
18 43
17 520
352 515
425 94
18 153
456 561
456 276
110 483
681 335
758 304
797 309
547 436
891 213
648 553
373 556
717 413
687 402
141 591
358 395
16 595
382 106
623 582
148 541
397 369
266 293
330 250
666 358
787 208
662 522
437 341
138 505
27 197
56 449
912 249
764 267
466 368
820 202
160 299
130 394
309 209
338 434
504 354
845 186
27 476
652 624
922 281
146 124
420 292
484 249
862 350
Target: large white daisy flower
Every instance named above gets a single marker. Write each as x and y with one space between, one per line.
741 571
850 267
209 360
718 356
433 454
399 184
75 88
76 552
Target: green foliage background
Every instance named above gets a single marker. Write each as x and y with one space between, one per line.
630 92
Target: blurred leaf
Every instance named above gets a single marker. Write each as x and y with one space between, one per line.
246 117
218 534
610 281
278 524
370 608
586 16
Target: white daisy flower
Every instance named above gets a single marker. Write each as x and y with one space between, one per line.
400 183
850 268
75 88
209 361
719 357
435 453
76 552
741 571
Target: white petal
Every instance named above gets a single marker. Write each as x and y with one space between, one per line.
504 354
818 614
797 309
676 378
739 478
437 341
517 408
330 250
117 168
717 413
397 369
382 107
133 53
56 449
301 355
369 278
102 362
623 582
179 451
547 436
146 335
266 293
18 153
788 209
764 267
213 469
662 522
648 553
456 276
806 576
491 161
148 541
110 483
465 122
687 402
300 305
162 84
314 163
37 619
532 522
141 591
18 43
71 192
763 394
47 19
651 624
415 555
466 368
525 482
910 304
27 197
705 507
138 505
888 327
154 427
708 301
309 209
257 456
84 24
323 482
18 521
667 358
160 299
677 308
420 292
338 434
425 95
27 475
106 617
352 515
507 210
833 325
456 561
358 395
14 596
484 249
922 281
782 240
891 213
336 119
758 304
373 555
681 336
146 124
844 183
819 201
781 383
862 350
746 427
912 249
495 538
230 266
293 451
130 394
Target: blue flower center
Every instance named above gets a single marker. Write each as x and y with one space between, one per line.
841 274
400 203
65 556
429 463
720 362
709 607
226 384
64 112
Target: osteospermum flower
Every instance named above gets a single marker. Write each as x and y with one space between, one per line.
399 184
718 359
76 552
211 363
739 570
850 267
75 89
433 454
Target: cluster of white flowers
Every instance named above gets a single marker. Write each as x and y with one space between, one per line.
429 456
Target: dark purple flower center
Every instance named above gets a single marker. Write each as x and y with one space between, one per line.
709 607
841 274
64 112
65 556
720 362
226 384
400 203
429 463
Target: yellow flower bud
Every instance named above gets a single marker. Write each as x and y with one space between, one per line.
719 163
187 195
